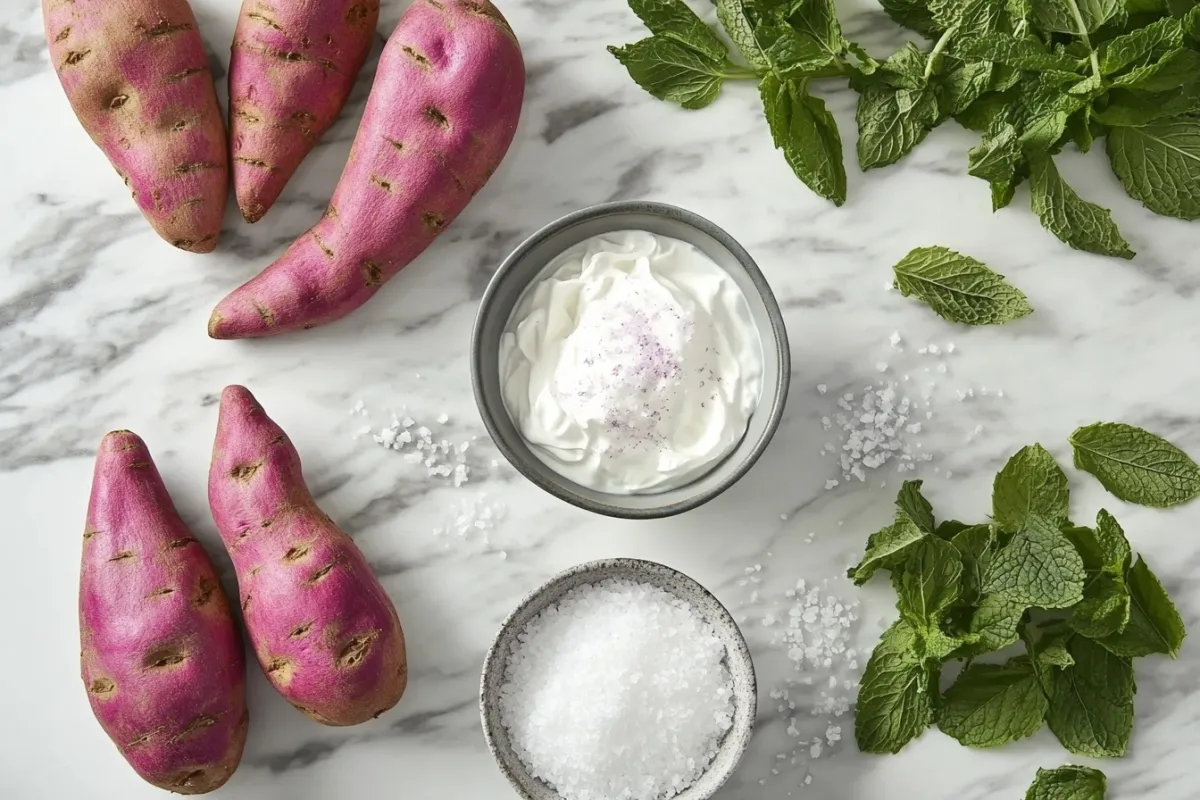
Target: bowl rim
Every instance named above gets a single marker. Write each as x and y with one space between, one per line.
739 647
777 398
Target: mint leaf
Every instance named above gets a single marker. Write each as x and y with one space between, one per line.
905 68
673 19
891 122
1074 16
1030 483
928 583
1111 544
1046 109
976 546
1176 69
895 699
997 159
1159 164
1025 53
1104 609
912 14
1133 109
961 86
733 16
886 548
817 21
1154 623
1075 221
992 704
1135 465
808 135
796 54
1122 51
958 288
670 71
948 529
1091 702
1068 783
996 621
911 502
1039 567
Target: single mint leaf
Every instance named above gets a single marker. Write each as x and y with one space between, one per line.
887 548
1091 701
905 68
670 71
958 288
928 583
1030 483
1047 649
1176 70
1154 623
961 86
1068 783
1080 129
1136 465
1122 51
948 529
673 19
1112 544
1083 225
817 20
1133 109
1104 609
1159 164
997 159
807 133
910 501
1074 16
974 17
993 704
895 699
991 110
797 54
976 545
734 18
912 14
891 122
1038 567
1025 53
996 622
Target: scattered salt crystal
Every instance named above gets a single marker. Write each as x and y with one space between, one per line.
821 388
831 483
443 418
881 366
894 339
618 690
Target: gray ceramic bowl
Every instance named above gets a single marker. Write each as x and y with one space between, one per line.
529 263
737 658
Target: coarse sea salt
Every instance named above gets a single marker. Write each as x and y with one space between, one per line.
617 692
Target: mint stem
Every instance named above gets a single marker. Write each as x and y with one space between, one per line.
737 72
937 50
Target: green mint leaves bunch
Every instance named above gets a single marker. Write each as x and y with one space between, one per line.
1075 597
1031 76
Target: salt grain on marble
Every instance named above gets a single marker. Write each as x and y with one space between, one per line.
619 690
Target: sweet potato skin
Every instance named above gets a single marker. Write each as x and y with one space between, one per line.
440 117
161 657
323 629
292 67
137 78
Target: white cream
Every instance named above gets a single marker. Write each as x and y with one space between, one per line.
635 367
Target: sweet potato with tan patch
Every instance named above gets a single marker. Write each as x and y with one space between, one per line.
137 77
161 658
324 630
292 67
440 117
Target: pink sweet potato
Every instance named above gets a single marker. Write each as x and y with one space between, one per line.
324 630
439 119
161 658
137 77
292 68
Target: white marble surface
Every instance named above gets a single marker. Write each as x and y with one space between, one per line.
102 325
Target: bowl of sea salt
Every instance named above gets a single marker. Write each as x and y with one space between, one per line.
618 679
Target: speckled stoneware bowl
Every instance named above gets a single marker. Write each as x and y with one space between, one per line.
530 262
737 658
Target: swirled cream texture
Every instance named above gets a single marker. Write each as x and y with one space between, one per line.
634 368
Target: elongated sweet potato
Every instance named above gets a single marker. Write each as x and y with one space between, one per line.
137 77
439 119
292 68
324 630
161 658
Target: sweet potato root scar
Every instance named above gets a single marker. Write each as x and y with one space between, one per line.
242 473
433 221
280 670
417 56
372 273
300 631
143 739
382 183
198 724
264 313
321 244
265 20
356 650
163 657
176 77
254 162
101 687
162 28
124 555
435 116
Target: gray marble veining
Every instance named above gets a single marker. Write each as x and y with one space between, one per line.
102 325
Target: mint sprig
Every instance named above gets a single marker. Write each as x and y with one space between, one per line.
1031 77
1068 783
1074 595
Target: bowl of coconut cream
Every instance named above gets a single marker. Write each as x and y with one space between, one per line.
630 359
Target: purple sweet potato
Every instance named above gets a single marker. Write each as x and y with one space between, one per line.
161 658
439 119
324 630
292 68
137 77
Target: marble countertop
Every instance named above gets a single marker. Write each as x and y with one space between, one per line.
102 326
